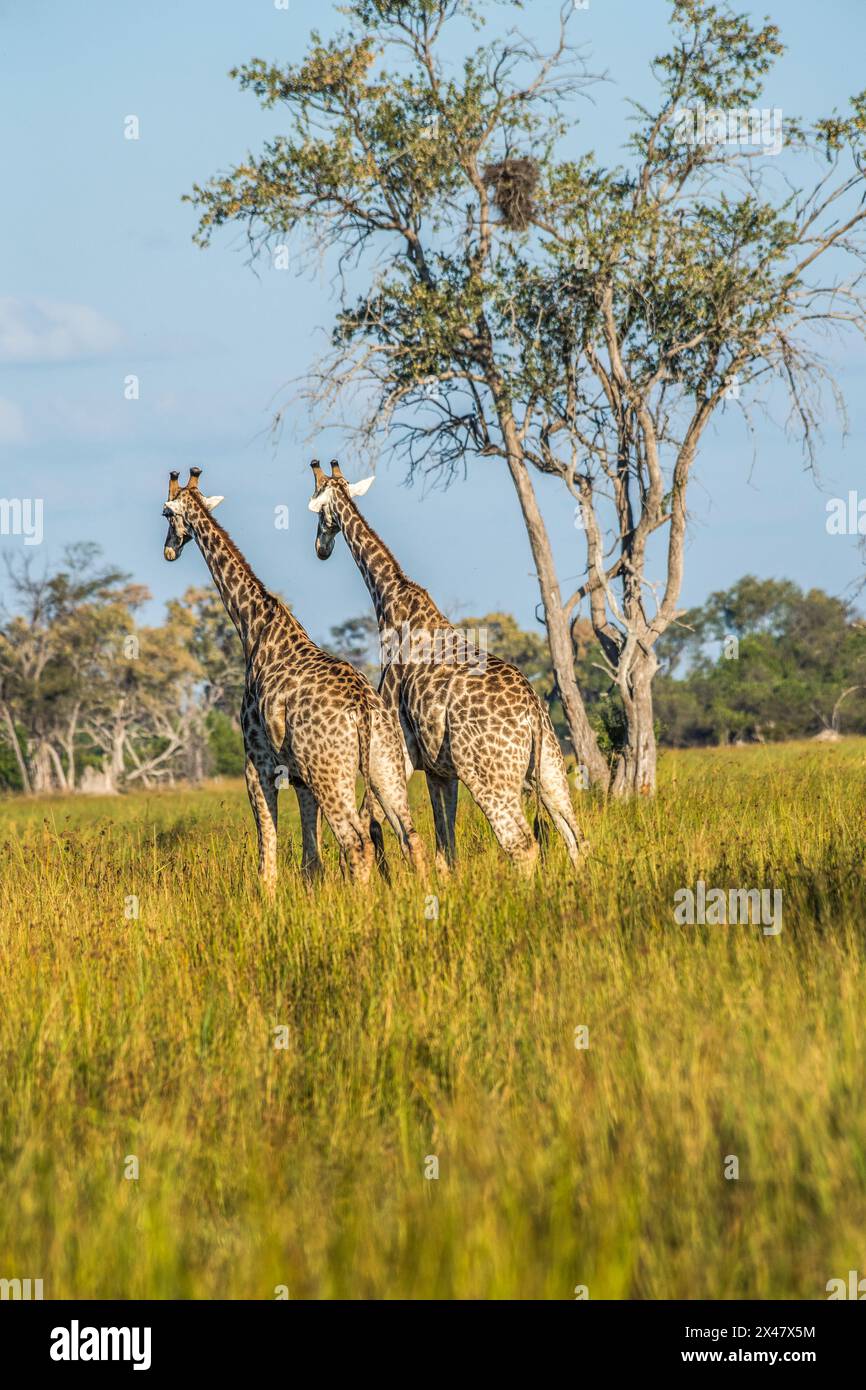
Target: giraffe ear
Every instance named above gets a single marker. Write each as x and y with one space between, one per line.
316 504
211 502
358 489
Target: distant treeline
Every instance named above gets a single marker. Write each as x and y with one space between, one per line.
760 661
90 699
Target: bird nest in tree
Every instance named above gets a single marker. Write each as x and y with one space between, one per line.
513 182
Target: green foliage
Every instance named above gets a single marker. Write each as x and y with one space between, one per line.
796 655
387 143
10 776
87 686
225 744
791 664
506 639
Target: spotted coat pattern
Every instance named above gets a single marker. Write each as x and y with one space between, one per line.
308 719
484 726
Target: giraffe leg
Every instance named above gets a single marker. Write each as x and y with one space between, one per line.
443 799
330 755
311 820
556 799
490 756
388 783
356 847
262 791
503 809
352 835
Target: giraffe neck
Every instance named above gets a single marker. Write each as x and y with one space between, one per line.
396 599
247 601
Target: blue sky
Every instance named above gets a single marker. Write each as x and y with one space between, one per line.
100 279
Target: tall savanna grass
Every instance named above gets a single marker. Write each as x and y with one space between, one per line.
286 1076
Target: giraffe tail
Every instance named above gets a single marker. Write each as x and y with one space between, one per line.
369 806
540 827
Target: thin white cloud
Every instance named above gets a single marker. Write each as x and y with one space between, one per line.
13 430
51 330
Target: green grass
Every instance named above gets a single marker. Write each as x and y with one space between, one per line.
304 1166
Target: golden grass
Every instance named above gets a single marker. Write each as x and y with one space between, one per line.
304 1166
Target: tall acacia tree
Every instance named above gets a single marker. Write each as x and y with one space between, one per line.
524 303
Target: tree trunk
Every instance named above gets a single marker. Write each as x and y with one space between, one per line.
583 739
636 770
69 749
196 755
16 747
41 778
115 766
60 775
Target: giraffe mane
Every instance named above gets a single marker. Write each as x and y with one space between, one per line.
232 548
417 589
278 605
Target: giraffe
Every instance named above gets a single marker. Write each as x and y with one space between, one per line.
480 724
308 720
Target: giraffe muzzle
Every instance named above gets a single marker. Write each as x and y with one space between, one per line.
325 544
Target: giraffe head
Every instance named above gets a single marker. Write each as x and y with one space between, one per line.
180 509
323 501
